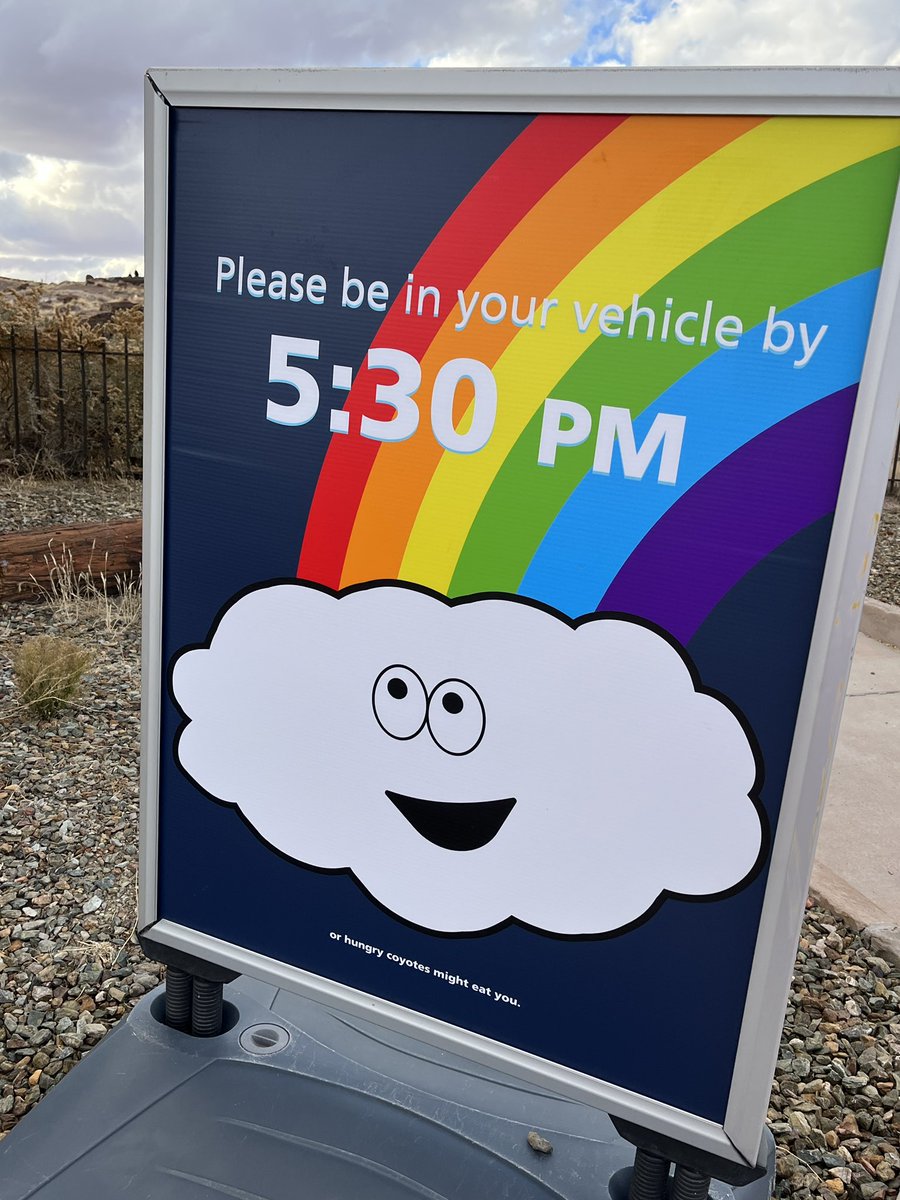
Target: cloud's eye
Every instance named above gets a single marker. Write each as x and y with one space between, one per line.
400 702
456 716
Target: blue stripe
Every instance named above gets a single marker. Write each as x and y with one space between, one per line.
727 400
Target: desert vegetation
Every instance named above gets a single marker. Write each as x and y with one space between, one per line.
71 359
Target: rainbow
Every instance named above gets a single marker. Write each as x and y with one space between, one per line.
747 211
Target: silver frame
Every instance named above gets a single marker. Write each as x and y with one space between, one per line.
764 91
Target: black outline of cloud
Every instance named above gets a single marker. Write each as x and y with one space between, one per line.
754 795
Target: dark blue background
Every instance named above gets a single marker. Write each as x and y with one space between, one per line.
656 1010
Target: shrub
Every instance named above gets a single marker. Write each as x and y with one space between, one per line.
65 402
48 672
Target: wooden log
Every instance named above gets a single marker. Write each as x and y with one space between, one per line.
100 555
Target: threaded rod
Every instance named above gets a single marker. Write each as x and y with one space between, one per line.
650 1176
689 1184
206 1010
178 998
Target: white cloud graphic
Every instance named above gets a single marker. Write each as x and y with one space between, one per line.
471 763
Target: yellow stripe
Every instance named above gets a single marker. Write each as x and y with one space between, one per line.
743 178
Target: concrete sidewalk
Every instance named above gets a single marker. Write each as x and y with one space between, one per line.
857 868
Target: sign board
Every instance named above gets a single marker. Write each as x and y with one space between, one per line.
516 444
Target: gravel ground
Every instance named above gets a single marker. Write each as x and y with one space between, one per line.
70 966
27 503
884 579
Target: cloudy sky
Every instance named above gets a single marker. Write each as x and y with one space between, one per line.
71 79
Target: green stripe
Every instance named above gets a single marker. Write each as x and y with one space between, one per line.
828 232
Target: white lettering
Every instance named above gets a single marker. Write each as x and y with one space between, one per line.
615 424
552 433
466 313
581 320
809 348
224 270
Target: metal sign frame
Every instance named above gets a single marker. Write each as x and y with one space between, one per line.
869 92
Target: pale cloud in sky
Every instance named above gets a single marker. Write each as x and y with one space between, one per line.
71 79
699 33
71 92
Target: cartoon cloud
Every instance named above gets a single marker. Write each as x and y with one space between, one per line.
471 762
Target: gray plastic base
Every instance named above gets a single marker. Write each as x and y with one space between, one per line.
298 1100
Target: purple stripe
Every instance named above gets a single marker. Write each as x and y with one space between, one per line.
733 517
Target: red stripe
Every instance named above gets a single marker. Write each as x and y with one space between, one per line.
544 151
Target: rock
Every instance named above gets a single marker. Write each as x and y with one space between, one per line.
848 1127
539 1143
799 1123
872 1190
855 1082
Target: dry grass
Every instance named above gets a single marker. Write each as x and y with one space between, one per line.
67 411
76 596
21 307
48 673
31 306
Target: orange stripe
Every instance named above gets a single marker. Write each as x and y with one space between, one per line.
634 163
544 150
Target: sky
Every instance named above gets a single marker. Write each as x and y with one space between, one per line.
71 79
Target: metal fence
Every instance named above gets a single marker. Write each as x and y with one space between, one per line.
73 408
894 481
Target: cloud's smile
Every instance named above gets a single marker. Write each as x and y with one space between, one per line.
455 826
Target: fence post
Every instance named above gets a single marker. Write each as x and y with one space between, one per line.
84 412
105 401
37 390
60 405
15 387
127 409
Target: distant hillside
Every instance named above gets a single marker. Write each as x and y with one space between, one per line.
92 300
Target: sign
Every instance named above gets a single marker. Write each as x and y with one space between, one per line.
516 447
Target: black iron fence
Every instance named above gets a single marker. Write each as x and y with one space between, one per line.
73 408
894 480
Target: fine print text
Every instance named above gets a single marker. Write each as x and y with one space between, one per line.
450 978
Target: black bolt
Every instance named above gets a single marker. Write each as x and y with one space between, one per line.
650 1176
206 1011
178 998
689 1184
